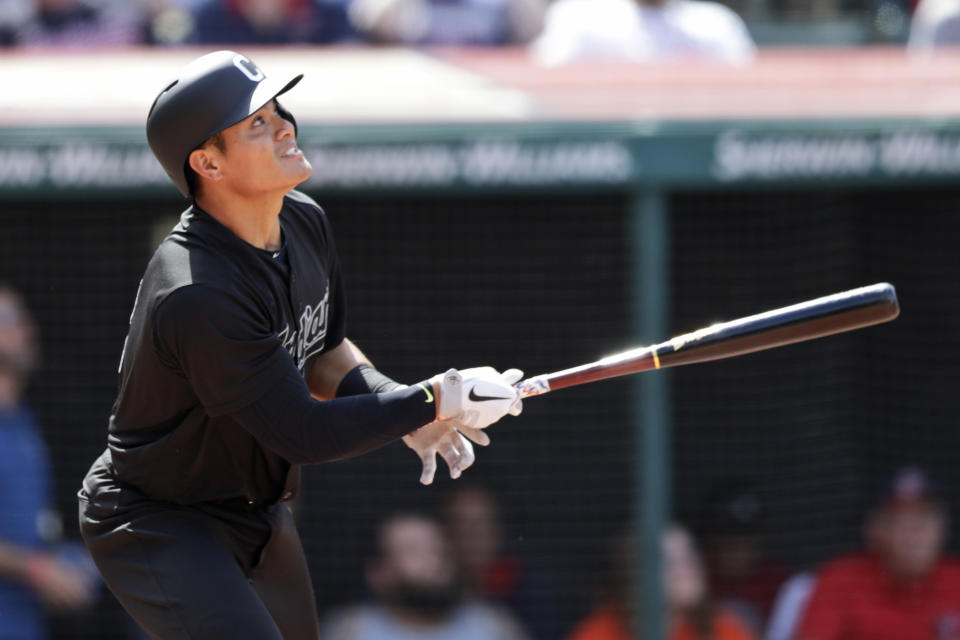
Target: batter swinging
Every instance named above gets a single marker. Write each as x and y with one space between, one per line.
236 370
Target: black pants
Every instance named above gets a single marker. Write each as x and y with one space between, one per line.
184 573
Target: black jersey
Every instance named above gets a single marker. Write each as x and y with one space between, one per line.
215 324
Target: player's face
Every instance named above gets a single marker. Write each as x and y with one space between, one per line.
262 155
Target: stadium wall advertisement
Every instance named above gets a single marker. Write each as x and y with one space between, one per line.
505 157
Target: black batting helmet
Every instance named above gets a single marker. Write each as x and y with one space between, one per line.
212 93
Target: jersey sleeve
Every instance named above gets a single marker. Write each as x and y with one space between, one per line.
337 330
221 344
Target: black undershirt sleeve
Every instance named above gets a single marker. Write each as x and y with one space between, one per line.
290 422
365 379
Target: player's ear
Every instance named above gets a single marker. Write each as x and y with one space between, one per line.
205 163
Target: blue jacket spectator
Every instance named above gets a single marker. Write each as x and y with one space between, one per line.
24 493
31 575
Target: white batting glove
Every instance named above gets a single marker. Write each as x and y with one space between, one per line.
443 437
477 397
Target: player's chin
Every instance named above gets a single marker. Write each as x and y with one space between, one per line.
299 171
307 171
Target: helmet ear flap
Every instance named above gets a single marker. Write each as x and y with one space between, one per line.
286 115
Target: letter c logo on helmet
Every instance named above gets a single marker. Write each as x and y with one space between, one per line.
249 69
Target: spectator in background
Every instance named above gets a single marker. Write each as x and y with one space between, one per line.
902 586
448 22
271 22
72 24
690 614
742 575
416 585
169 22
789 606
642 31
13 13
474 525
935 24
32 574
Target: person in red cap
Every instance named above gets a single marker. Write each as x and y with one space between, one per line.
902 586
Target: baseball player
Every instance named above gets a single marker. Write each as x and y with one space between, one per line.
236 370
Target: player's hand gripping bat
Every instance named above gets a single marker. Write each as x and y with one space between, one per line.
825 316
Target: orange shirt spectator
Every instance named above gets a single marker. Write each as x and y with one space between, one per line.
690 613
607 623
723 626
610 624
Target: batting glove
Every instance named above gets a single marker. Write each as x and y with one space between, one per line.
477 397
443 437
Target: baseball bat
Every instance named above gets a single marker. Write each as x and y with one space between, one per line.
845 311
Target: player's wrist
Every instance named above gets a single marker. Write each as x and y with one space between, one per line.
431 391
448 393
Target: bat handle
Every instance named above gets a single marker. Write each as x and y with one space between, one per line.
535 386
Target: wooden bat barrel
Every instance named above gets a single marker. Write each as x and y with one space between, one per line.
837 313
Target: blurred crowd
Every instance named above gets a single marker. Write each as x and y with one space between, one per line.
900 585
105 23
452 574
39 569
558 31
